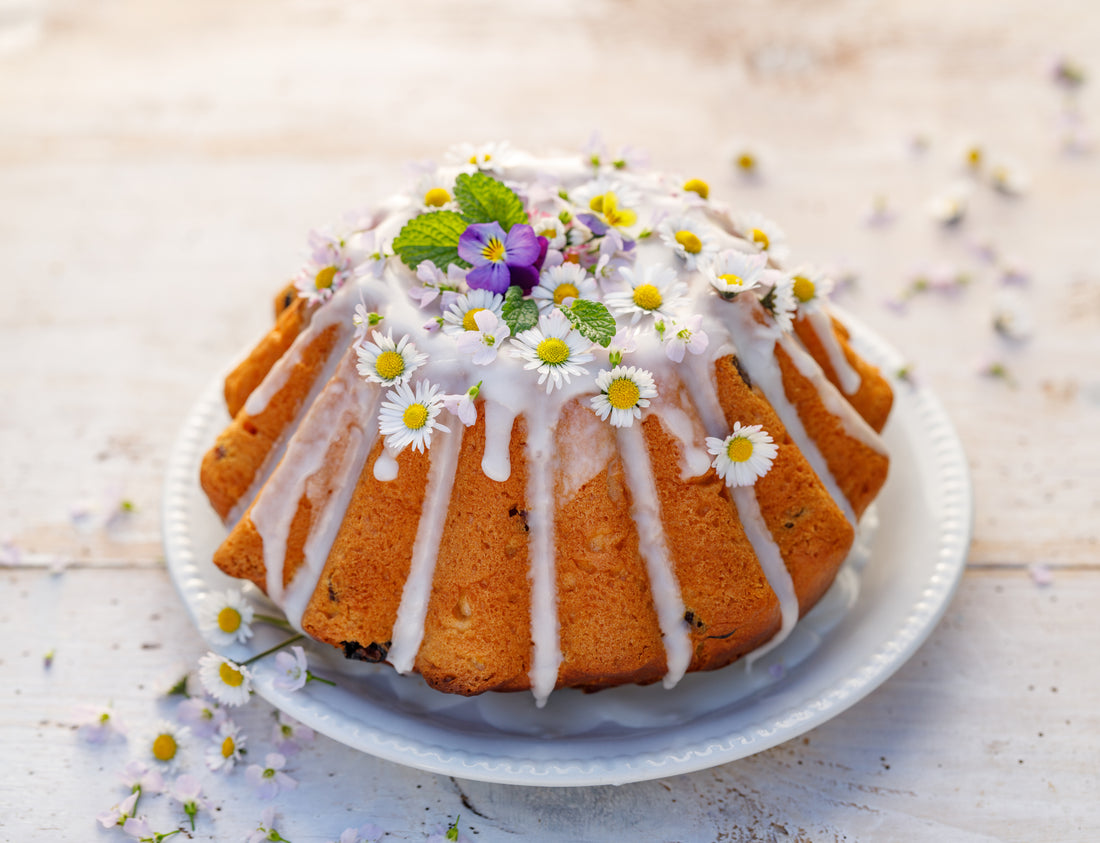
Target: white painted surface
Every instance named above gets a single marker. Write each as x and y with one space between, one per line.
160 165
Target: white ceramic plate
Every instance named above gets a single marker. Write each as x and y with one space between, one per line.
865 629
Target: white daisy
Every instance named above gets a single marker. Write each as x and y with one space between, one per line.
733 272
293 669
408 417
328 268
226 618
697 186
558 284
949 207
746 454
624 392
165 743
689 239
554 349
461 307
433 193
226 749
764 236
487 156
486 340
747 159
810 286
552 228
1008 177
685 335
386 362
781 303
226 681
658 293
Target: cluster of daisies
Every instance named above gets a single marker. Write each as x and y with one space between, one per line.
576 251
203 723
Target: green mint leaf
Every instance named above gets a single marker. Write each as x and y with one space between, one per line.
519 313
484 199
431 237
592 319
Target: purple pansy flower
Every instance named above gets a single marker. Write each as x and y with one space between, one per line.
501 260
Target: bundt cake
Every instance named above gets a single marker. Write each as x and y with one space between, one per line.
543 423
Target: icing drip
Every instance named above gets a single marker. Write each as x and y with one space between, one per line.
385 467
771 562
694 459
306 456
540 521
823 327
496 462
756 351
646 512
408 629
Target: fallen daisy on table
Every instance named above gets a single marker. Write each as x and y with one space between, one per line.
226 618
226 681
165 742
226 749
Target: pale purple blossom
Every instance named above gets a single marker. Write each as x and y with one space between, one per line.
138 777
118 813
366 833
266 830
269 779
463 405
187 790
201 716
98 724
685 335
289 736
293 669
483 344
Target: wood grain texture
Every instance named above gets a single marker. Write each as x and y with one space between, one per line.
160 165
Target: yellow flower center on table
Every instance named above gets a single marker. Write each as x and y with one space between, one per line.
697 186
229 619
230 675
437 197
565 291
415 416
229 746
493 251
803 288
739 449
323 279
732 280
164 748
552 350
974 156
746 161
690 241
389 365
468 321
760 238
647 297
623 393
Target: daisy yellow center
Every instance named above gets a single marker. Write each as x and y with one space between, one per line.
974 156
746 161
468 321
229 746
623 393
697 186
493 251
415 416
553 350
739 449
647 297
323 279
549 233
565 291
229 619
230 675
760 238
164 747
803 288
690 241
389 365
437 197
732 280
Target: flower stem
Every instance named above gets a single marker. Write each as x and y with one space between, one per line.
311 677
274 621
274 649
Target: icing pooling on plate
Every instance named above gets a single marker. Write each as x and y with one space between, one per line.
508 390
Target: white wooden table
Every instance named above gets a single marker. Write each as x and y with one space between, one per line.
159 166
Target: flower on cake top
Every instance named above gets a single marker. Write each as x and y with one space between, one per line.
624 392
226 681
328 268
809 286
486 157
484 342
551 228
609 204
764 236
463 405
743 456
688 238
733 272
697 186
780 302
408 416
363 320
433 193
554 349
460 312
386 362
657 293
501 259
226 618
227 748
559 284
685 335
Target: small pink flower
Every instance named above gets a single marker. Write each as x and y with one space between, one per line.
270 779
293 669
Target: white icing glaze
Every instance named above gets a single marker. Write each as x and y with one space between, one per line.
823 327
646 511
